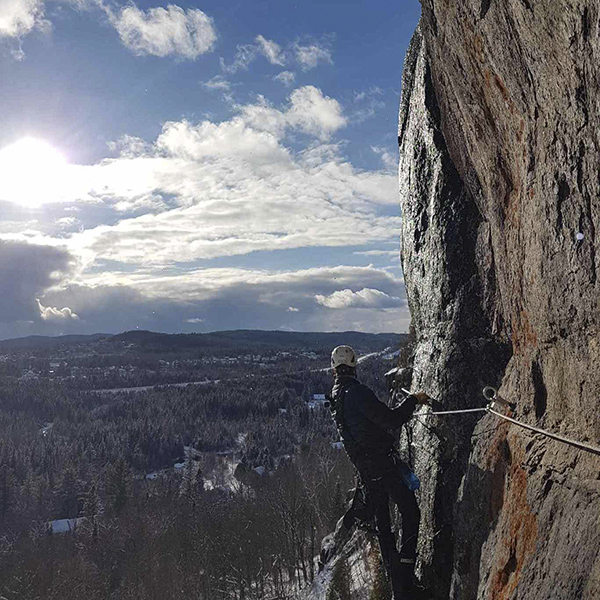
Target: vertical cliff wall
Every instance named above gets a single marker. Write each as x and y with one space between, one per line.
500 185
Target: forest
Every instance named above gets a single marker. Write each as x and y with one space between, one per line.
216 491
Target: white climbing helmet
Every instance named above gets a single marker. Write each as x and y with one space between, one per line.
343 355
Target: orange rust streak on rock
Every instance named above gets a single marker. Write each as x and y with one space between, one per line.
520 532
523 334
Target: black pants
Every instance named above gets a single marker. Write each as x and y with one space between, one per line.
382 479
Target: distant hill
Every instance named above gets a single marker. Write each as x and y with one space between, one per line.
45 341
222 340
258 338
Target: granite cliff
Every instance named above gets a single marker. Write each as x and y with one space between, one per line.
499 136
500 186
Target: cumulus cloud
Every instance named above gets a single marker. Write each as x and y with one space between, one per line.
314 113
288 78
26 272
20 17
228 298
312 55
150 219
230 206
308 111
165 32
207 190
365 298
49 313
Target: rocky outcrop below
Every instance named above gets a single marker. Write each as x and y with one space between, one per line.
500 187
349 567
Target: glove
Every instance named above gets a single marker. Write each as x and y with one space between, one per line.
422 398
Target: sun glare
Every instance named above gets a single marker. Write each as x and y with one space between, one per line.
32 172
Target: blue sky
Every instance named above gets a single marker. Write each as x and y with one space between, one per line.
193 167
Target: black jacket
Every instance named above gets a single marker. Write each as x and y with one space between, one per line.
364 422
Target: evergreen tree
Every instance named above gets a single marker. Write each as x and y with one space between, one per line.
118 485
67 495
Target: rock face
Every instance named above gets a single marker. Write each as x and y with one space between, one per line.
500 187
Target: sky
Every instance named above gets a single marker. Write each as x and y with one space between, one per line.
201 166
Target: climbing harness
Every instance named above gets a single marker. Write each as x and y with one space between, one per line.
493 398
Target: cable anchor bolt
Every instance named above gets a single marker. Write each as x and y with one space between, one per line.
492 396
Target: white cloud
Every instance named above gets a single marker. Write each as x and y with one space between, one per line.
269 288
20 17
368 94
27 271
239 190
165 32
368 103
129 146
288 78
389 159
68 222
245 55
195 320
227 298
311 55
209 190
377 252
308 111
315 113
308 55
365 298
271 50
218 82
49 313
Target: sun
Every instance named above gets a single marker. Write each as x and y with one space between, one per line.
32 172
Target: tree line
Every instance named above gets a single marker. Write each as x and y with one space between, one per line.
66 454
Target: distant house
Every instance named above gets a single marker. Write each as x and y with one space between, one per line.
67 525
337 445
318 401
283 411
315 405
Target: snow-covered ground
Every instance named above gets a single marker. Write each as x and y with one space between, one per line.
361 561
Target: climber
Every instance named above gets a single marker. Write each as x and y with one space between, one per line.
365 425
